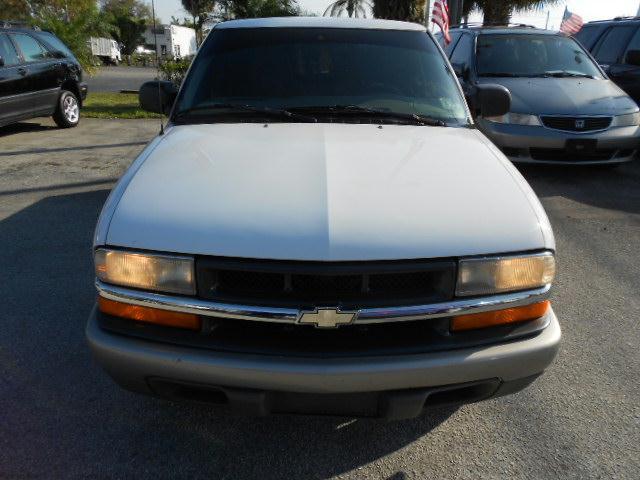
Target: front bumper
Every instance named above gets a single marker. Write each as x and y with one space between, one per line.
141 365
83 88
520 143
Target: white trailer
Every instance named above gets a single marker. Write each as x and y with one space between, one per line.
106 49
172 41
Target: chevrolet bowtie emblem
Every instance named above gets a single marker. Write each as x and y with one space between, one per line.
327 318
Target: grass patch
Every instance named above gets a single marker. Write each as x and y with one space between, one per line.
114 105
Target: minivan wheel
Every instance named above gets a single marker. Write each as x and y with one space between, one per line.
67 113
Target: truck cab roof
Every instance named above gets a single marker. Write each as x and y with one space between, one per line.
320 22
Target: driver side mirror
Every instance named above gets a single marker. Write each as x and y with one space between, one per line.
633 58
158 96
493 100
1 61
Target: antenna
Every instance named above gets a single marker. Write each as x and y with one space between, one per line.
155 39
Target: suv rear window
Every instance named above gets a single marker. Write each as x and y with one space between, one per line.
589 35
610 48
8 52
55 43
31 50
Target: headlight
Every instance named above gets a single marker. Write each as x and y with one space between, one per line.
516 119
160 273
628 120
484 276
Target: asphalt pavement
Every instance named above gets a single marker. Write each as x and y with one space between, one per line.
62 417
116 79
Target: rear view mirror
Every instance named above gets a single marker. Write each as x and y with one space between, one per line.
633 57
158 96
493 100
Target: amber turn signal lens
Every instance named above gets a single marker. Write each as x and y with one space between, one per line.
499 317
149 315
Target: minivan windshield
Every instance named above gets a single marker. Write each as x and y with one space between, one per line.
300 73
531 55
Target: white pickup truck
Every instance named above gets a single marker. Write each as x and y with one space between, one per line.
321 228
106 49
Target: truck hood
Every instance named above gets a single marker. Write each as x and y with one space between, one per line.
326 192
566 96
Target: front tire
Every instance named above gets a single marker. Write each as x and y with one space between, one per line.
67 114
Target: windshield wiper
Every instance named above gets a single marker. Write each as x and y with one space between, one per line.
565 73
410 117
274 112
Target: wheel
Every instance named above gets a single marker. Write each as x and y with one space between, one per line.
67 113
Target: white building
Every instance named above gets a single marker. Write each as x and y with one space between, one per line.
173 41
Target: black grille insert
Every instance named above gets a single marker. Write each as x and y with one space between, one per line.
576 124
312 284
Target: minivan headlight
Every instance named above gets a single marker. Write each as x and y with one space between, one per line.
484 276
516 119
628 120
160 273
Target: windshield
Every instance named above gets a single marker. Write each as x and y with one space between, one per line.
319 72
531 55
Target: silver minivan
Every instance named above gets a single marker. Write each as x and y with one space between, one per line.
564 108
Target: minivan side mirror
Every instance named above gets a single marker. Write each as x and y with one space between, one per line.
493 100
633 57
158 96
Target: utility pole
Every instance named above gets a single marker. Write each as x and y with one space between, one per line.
455 11
546 25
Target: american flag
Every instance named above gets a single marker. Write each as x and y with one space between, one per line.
571 23
440 16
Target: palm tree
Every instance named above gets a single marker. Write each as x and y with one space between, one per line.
354 8
407 10
499 11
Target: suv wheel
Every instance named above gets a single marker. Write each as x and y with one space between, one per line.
67 113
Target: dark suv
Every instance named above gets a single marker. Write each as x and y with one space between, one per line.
615 44
39 76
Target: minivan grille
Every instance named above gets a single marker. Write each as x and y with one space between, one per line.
312 284
576 124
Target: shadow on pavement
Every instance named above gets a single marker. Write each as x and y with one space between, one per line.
22 127
70 149
65 417
610 188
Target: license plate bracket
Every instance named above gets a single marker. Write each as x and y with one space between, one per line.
585 146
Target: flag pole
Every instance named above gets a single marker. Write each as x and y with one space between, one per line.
427 13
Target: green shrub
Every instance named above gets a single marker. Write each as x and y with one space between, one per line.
175 70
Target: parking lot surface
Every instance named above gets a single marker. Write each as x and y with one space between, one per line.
115 79
61 416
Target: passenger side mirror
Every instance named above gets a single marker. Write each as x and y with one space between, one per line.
1 62
58 54
158 96
493 100
633 57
